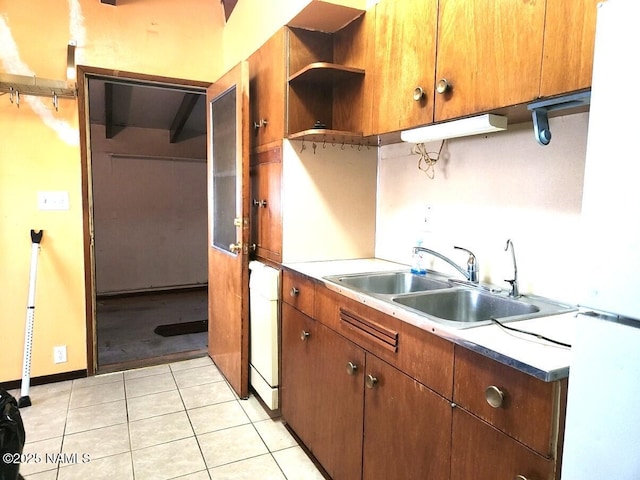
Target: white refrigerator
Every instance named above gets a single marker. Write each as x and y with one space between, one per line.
602 439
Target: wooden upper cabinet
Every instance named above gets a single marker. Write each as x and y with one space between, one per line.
489 52
266 211
569 38
404 60
267 71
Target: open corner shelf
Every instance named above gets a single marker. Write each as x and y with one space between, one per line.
325 72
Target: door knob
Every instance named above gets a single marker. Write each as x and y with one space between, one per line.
352 368
235 247
370 381
304 335
294 292
418 94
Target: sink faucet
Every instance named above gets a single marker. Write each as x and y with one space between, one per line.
471 273
515 292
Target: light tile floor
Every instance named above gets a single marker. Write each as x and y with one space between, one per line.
175 421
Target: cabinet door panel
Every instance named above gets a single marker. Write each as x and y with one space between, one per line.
481 452
338 426
407 427
404 59
490 51
298 385
267 71
266 219
569 37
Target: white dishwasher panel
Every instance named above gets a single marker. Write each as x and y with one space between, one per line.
264 287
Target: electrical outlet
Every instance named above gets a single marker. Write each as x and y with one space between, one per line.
60 354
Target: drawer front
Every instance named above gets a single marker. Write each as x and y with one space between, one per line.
298 291
520 405
481 452
419 354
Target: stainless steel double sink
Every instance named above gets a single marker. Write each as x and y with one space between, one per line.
447 301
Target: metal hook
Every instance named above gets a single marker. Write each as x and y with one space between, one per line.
342 146
333 141
303 146
359 146
313 145
55 101
324 143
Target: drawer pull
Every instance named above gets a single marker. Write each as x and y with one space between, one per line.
370 381
495 397
352 368
294 291
303 335
520 477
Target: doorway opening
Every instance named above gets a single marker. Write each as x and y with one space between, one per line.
146 190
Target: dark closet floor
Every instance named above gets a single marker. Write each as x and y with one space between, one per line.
125 328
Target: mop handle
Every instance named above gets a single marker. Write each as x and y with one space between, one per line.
36 237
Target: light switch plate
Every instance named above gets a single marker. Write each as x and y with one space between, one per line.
53 200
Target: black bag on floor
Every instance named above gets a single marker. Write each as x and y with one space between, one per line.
11 437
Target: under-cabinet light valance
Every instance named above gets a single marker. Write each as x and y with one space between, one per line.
486 123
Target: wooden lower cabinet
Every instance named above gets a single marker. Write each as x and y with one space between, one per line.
322 399
481 452
363 415
398 428
407 427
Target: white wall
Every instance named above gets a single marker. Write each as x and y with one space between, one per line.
488 189
330 190
150 210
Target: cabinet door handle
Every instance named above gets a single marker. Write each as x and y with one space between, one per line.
494 397
370 381
260 123
294 292
259 203
418 94
352 368
443 86
520 477
304 335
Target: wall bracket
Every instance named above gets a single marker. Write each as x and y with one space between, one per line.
541 109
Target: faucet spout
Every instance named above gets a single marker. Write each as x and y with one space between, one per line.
465 273
515 291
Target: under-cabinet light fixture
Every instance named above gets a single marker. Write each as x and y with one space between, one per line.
464 127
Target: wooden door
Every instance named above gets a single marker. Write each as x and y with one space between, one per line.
297 380
267 77
569 38
228 190
266 218
407 427
339 373
489 52
481 452
404 60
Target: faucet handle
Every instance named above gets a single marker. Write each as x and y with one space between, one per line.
472 264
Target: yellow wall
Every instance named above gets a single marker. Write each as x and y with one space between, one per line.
40 151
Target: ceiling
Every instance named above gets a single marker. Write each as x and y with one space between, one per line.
119 104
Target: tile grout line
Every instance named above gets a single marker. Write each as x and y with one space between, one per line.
126 409
195 436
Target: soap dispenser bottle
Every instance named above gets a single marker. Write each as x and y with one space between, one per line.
417 261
